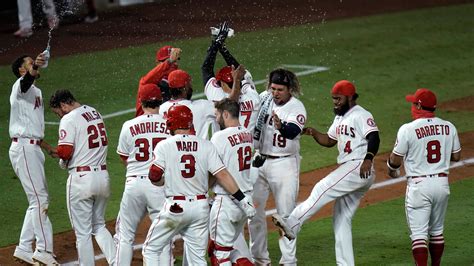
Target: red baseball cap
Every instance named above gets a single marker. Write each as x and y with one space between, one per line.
178 79
149 92
163 53
343 87
423 96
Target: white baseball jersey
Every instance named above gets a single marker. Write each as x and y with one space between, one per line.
273 142
350 131
187 161
203 114
84 129
27 112
234 146
249 101
138 138
427 144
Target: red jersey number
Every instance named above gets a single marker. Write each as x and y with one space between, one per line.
189 165
434 151
245 156
347 148
247 115
143 146
279 140
97 135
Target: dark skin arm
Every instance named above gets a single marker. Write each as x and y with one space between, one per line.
49 149
321 138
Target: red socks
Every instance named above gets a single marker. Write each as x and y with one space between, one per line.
436 249
420 252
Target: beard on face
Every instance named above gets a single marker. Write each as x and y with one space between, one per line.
189 93
342 110
220 121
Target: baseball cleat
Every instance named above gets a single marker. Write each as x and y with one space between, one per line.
280 223
44 258
23 257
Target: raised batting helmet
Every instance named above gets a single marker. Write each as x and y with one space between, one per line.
179 117
225 74
163 53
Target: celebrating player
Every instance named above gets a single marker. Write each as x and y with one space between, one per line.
426 146
234 145
167 59
82 147
27 132
277 135
182 164
222 85
137 139
181 92
356 135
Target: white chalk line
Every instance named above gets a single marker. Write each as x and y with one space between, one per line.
273 211
309 70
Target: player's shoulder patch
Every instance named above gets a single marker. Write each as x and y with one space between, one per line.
371 122
301 119
62 134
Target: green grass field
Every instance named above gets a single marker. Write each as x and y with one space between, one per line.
387 56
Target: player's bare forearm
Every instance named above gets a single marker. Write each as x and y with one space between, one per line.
227 181
320 138
393 164
49 149
237 75
455 157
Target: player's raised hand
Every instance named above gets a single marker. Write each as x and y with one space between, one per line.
40 60
223 31
276 120
238 73
175 54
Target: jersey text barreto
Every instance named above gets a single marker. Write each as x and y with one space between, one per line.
432 130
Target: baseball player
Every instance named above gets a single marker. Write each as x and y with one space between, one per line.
356 135
181 92
82 147
136 142
27 132
167 59
182 164
220 86
426 146
277 136
234 145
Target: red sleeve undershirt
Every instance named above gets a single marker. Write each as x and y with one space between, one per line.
65 151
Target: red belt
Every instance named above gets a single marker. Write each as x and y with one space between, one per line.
276 157
32 141
198 197
88 168
433 175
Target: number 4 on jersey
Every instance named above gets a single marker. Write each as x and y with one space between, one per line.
347 148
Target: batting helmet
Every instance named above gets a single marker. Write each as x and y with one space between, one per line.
225 74
179 117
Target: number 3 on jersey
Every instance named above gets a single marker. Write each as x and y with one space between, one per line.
189 163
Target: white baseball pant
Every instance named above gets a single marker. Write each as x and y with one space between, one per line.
346 187
25 17
87 195
27 160
281 177
139 197
191 222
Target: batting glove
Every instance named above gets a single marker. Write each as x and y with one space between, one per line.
63 164
222 35
247 206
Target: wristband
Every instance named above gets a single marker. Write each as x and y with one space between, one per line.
238 195
391 167
35 67
369 156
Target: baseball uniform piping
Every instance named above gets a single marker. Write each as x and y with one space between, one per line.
327 190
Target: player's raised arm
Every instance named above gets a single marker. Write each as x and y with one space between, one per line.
237 76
